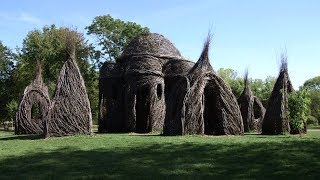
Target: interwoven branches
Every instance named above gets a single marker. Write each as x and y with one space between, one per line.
276 120
201 103
35 98
68 114
252 110
151 86
70 111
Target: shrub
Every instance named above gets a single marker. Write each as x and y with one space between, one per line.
299 110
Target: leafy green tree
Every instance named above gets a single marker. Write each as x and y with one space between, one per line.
312 84
48 46
230 76
113 35
12 108
299 110
263 88
260 88
313 87
7 59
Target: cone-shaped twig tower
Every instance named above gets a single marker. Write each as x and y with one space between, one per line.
70 111
202 103
276 120
251 108
34 106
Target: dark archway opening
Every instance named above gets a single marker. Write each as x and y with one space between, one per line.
36 112
159 91
210 114
142 110
257 110
244 108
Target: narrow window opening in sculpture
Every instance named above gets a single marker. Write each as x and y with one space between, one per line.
36 113
159 91
256 112
210 111
142 110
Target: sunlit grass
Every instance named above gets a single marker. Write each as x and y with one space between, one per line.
153 156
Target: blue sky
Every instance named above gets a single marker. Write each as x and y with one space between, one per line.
247 33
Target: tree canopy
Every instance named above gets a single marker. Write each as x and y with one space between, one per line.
299 110
7 59
313 83
313 87
113 35
260 88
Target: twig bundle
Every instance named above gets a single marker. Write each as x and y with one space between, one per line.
70 112
152 86
276 119
252 110
35 96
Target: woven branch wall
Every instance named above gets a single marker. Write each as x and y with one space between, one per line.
35 96
252 110
69 112
276 119
201 103
160 89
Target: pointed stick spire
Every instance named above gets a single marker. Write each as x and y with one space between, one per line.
71 44
38 72
205 51
246 78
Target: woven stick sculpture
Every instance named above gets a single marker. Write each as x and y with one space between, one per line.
151 87
70 111
252 110
35 98
132 90
201 103
276 119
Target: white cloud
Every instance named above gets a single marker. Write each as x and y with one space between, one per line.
21 17
28 18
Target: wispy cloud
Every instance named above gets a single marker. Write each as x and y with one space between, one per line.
28 18
23 17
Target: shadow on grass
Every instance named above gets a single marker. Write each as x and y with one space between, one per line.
22 137
259 160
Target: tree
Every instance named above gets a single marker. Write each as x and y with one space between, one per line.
230 76
7 59
48 46
299 110
312 84
12 108
6 62
313 87
263 88
113 35
260 88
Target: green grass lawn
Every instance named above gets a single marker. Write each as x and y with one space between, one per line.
156 157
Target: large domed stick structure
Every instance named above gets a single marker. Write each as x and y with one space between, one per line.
201 103
252 110
132 90
152 86
34 107
276 120
70 111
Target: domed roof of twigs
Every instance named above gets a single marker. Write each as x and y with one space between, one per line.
151 44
